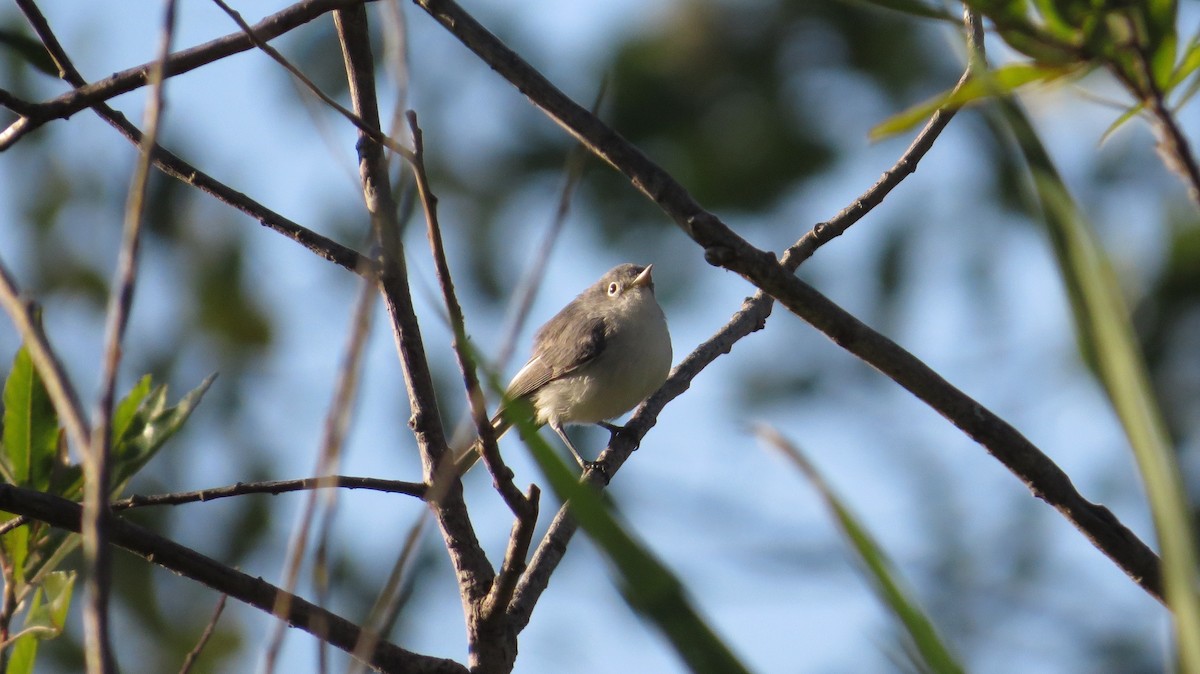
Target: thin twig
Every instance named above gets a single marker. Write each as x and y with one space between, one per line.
370 131
181 170
337 421
724 248
474 573
495 623
416 489
8 601
58 386
1173 143
502 476
209 630
825 232
96 463
386 608
88 95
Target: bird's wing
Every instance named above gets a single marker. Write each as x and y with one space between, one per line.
562 346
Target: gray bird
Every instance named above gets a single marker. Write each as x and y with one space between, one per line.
604 353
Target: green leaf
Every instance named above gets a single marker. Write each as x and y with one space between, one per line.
997 82
125 411
1159 16
1053 20
1129 114
52 612
45 620
647 585
1187 65
30 50
16 550
30 436
1106 333
149 427
928 647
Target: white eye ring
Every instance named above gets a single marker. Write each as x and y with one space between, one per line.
613 288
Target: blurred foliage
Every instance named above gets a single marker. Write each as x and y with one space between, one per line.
33 454
718 92
922 649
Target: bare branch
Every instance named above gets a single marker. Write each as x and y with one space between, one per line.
338 631
387 606
58 386
723 247
495 618
825 232
337 421
416 489
502 476
209 629
96 464
372 132
473 571
179 169
86 96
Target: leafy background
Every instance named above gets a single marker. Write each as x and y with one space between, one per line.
763 110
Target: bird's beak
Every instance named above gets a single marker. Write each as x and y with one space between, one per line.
644 278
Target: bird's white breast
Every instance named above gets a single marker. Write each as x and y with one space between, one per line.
634 363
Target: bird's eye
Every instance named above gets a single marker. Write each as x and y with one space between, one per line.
613 288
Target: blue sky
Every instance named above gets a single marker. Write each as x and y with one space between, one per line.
745 533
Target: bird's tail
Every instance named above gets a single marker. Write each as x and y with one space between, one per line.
468 458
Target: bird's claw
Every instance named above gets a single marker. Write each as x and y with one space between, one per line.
598 466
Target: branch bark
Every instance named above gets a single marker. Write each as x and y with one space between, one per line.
86 96
724 248
64 514
474 573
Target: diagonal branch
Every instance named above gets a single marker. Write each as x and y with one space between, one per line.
86 96
722 247
502 475
336 630
333 434
370 131
181 170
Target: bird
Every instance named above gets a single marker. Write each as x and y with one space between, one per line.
596 359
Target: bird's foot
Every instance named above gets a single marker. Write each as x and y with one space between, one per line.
598 466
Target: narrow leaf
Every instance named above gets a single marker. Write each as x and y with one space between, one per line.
1160 17
1129 114
1104 327
648 586
45 620
151 426
16 550
1187 65
30 436
126 409
29 50
926 647
1003 80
